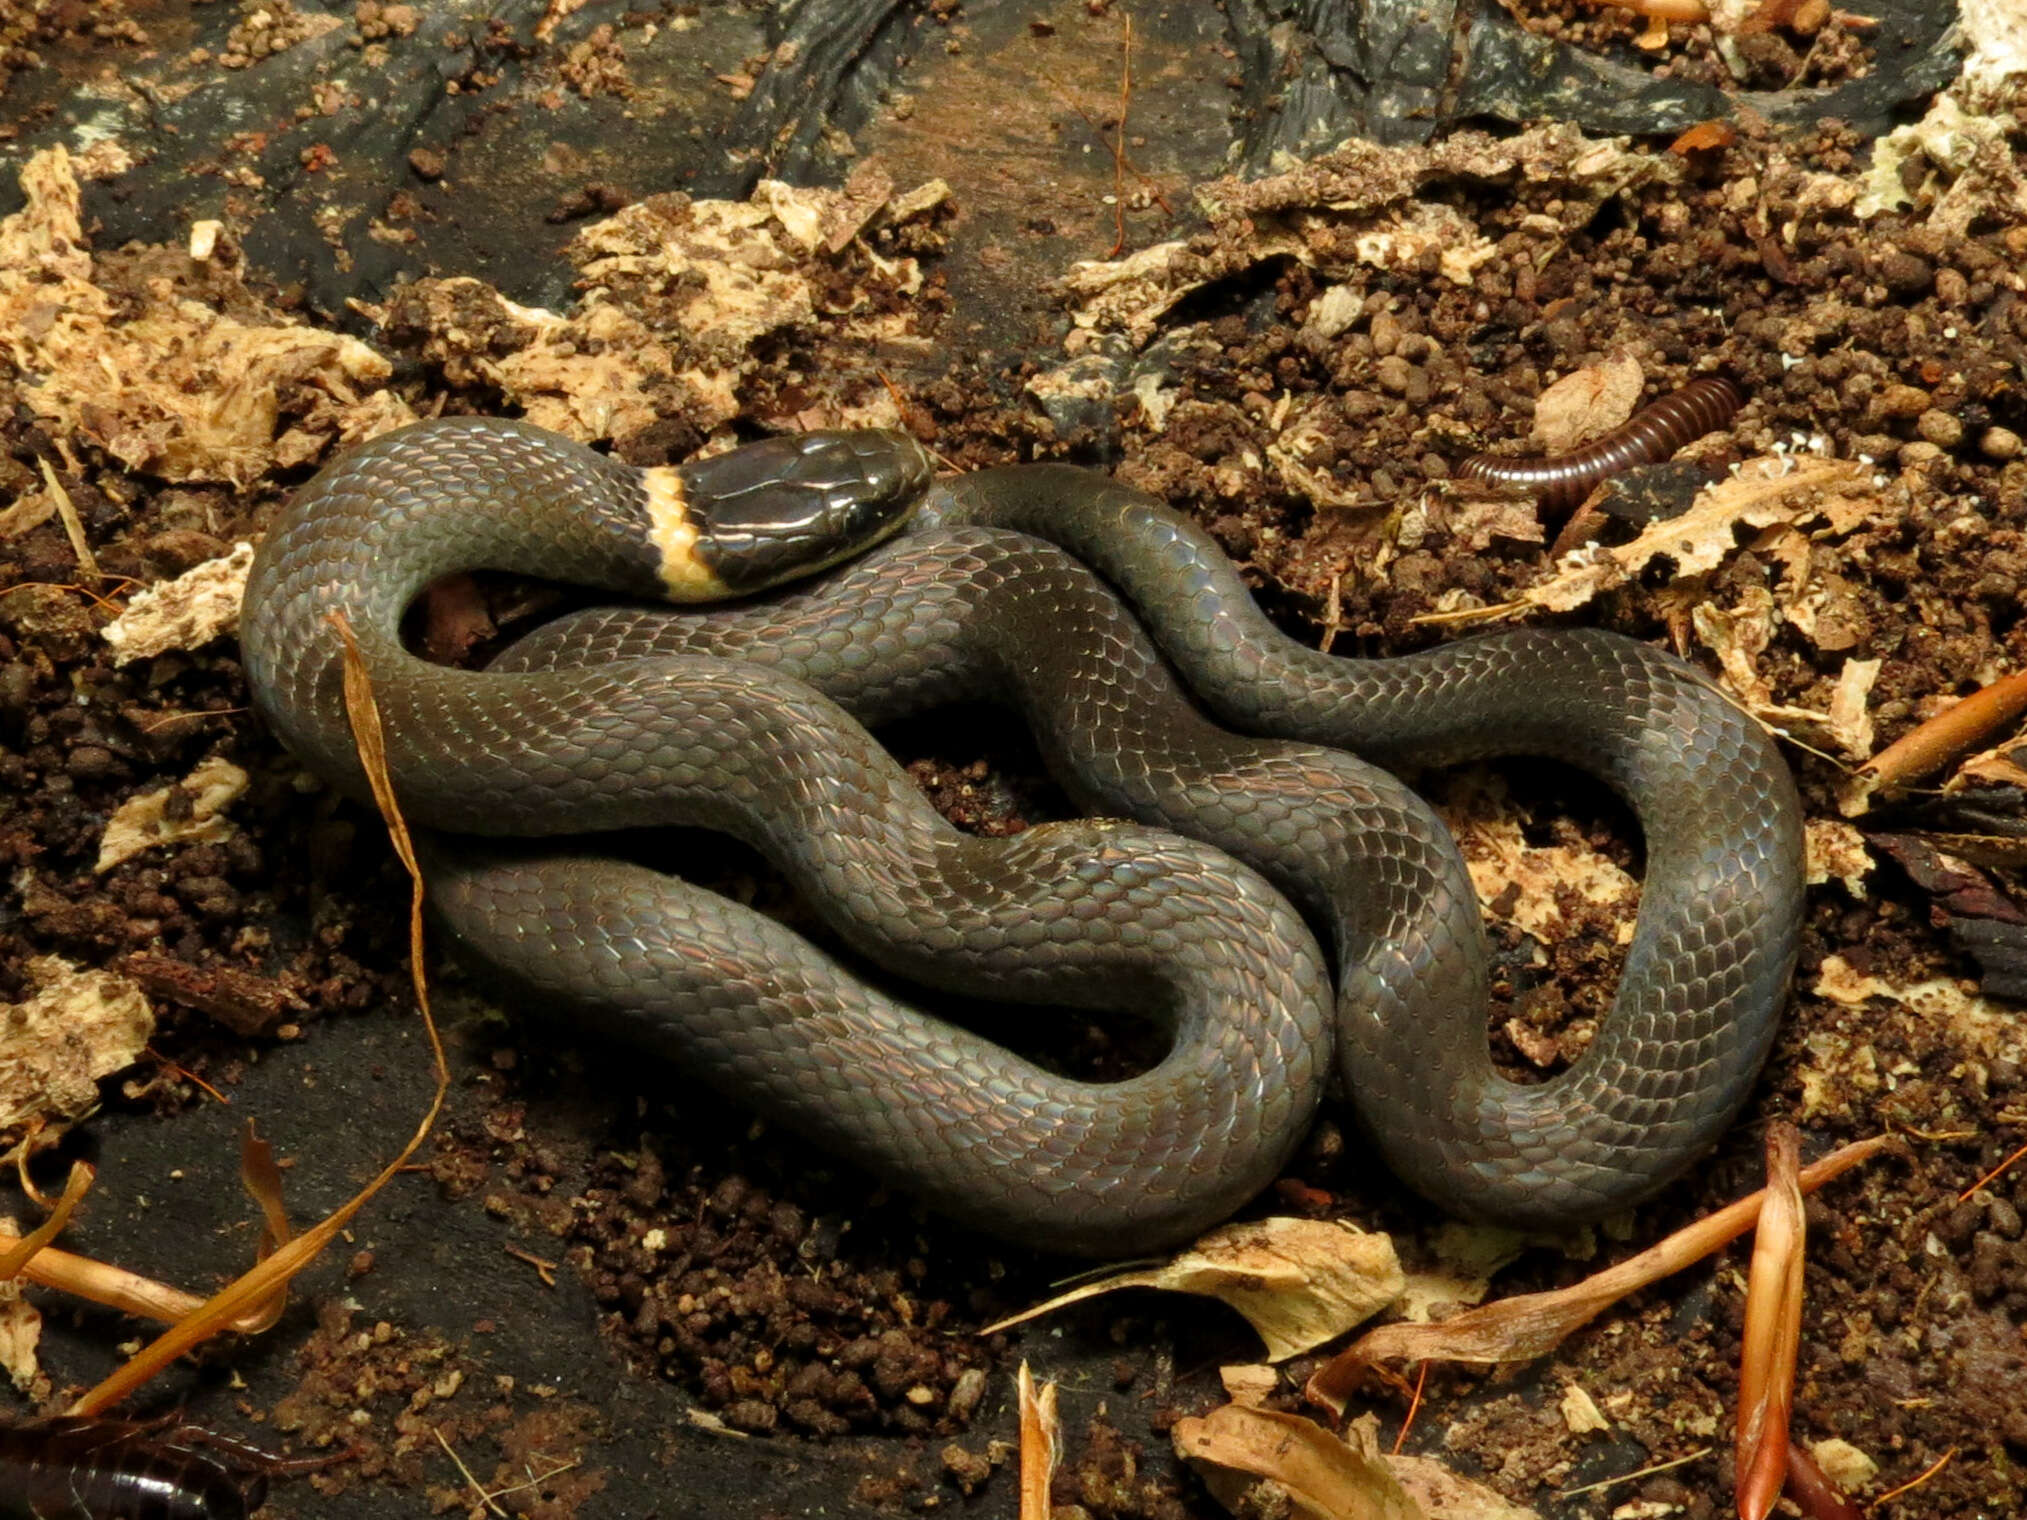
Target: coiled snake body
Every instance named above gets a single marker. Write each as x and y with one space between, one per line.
741 719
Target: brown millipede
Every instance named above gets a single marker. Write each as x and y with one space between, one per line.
94 1469
1562 481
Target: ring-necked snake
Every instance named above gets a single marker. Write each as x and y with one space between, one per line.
1198 716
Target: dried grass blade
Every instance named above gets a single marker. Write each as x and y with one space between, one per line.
1773 1331
20 1252
1041 1444
248 1293
1533 1324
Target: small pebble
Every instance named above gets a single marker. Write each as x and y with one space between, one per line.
1940 428
2000 443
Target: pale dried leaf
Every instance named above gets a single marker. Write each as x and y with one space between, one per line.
1403 241
1587 402
1764 492
28 511
1476 522
143 822
77 1027
1324 1477
186 613
1250 1383
1534 1324
1836 851
1467 1258
1534 886
1842 1463
1994 767
1445 1495
164 383
20 1336
1300 1282
1580 1412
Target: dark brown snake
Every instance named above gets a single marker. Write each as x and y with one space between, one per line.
1217 726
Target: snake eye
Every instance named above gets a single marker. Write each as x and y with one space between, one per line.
790 506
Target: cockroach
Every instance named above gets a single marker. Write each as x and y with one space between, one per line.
73 1468
1562 481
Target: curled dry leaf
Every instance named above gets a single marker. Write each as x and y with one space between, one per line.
1300 1282
1533 1324
190 812
1324 1477
185 613
1773 1331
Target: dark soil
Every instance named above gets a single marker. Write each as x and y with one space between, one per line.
715 1280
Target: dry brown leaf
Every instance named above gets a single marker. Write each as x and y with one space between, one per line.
1447 1496
1786 489
186 613
76 1028
1300 1282
1250 1383
1324 1477
1773 1331
1534 1324
1739 636
1535 887
192 811
1587 402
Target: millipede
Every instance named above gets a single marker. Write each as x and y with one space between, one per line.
1561 481
73 1468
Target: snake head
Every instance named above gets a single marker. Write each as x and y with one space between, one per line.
790 506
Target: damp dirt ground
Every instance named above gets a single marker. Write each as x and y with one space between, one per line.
606 1292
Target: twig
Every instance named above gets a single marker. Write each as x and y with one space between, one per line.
1992 1176
477 1488
1950 733
1638 1472
1916 1481
1533 1324
1414 1407
1119 140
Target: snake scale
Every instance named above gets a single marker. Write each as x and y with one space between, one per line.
1248 764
